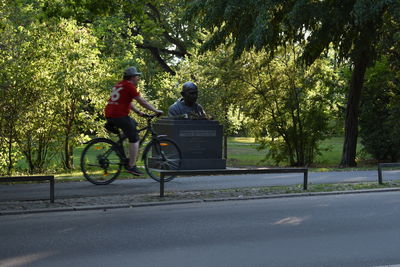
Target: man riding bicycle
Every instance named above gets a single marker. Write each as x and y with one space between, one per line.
118 108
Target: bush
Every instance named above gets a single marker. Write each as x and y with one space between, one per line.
380 113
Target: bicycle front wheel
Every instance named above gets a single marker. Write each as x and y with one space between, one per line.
101 162
162 154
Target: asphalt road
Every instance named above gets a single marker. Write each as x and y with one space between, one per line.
340 230
144 186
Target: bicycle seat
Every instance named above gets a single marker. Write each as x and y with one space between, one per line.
111 128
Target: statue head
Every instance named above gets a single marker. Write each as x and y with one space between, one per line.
189 93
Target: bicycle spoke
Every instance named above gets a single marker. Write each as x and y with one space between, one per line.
100 161
171 164
165 156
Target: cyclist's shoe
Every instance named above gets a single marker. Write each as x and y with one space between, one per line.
134 170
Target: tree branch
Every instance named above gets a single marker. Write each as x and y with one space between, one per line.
162 50
156 54
157 17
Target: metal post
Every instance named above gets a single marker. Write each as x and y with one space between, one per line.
305 185
52 189
161 184
380 174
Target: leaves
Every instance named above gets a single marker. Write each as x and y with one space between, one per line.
46 68
379 124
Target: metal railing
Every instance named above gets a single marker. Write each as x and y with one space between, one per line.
32 179
232 171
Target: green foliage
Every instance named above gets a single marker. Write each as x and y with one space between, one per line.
16 74
215 74
379 120
50 88
76 69
287 107
151 35
353 27
155 26
161 89
270 24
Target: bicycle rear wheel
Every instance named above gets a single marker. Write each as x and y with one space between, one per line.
162 154
101 162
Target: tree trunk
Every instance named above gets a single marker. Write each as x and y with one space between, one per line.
352 111
68 148
9 153
68 153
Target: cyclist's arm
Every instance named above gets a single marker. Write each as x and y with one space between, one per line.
147 105
137 111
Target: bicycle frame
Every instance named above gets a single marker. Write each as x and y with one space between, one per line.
148 130
154 136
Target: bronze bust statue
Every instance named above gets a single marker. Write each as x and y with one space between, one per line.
186 107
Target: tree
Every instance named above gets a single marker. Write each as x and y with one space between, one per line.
165 36
49 80
75 69
288 104
380 112
353 28
24 106
16 74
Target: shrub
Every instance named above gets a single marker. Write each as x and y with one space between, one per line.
380 113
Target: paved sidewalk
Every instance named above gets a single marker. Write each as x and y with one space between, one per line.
126 192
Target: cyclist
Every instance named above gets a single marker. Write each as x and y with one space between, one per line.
118 108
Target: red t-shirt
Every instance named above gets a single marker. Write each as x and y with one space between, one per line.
120 100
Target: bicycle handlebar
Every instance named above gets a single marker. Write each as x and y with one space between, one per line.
151 116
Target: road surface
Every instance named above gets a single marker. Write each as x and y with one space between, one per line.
339 230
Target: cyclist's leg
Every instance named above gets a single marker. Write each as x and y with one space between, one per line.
133 153
128 127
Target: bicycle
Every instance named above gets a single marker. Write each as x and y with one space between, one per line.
102 159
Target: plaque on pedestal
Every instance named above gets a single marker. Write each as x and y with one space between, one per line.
199 140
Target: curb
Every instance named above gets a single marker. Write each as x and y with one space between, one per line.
190 201
101 207
310 194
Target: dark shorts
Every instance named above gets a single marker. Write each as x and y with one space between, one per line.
128 127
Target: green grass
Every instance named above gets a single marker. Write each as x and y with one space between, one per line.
242 151
331 150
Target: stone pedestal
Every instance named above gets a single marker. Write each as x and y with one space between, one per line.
199 140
